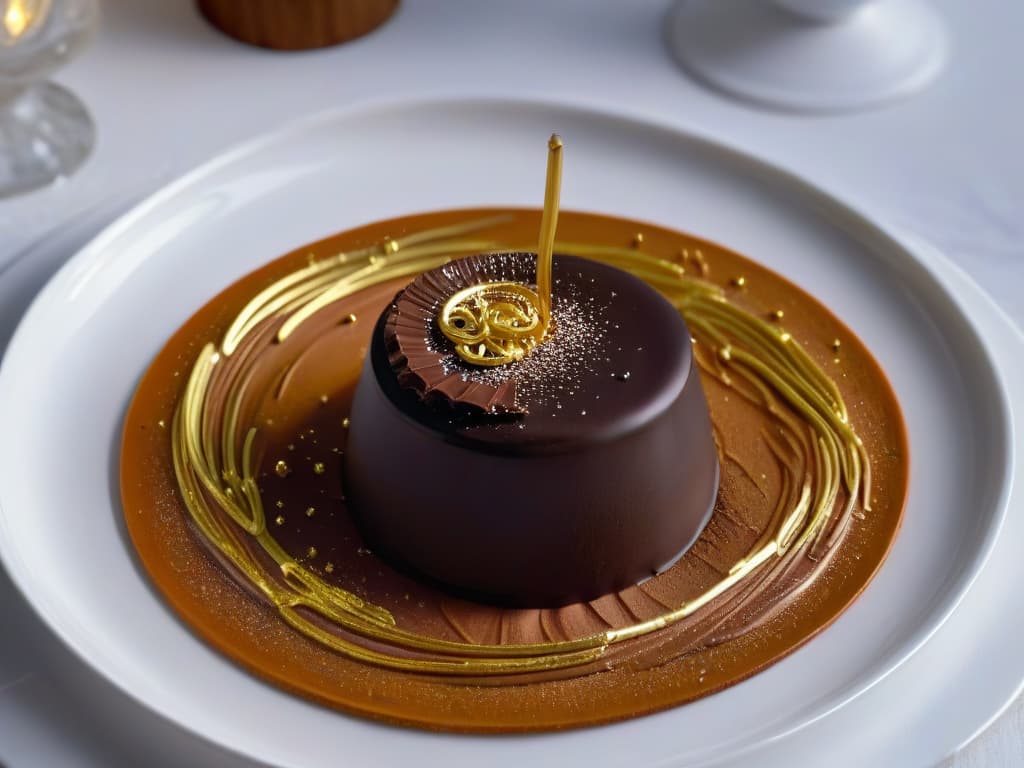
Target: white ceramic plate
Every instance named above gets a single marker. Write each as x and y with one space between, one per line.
972 668
72 366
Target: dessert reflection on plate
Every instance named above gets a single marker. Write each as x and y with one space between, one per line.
406 492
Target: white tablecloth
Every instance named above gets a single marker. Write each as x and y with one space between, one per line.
167 92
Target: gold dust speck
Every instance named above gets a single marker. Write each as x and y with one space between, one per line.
162 424
323 399
282 469
345 422
279 519
778 314
280 504
702 263
348 319
319 468
836 344
638 239
291 446
739 282
310 511
329 568
391 246
311 552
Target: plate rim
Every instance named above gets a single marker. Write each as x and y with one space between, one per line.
839 210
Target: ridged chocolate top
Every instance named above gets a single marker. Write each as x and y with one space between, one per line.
423 360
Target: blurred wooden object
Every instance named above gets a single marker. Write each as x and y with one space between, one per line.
296 24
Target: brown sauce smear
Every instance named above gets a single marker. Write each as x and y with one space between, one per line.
306 396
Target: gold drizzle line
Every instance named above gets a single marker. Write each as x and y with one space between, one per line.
216 451
548 226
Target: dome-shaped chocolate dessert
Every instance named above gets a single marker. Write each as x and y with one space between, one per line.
582 468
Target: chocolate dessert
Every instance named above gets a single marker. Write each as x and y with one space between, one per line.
581 469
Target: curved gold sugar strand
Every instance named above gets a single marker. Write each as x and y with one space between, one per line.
796 362
491 324
815 404
783 534
279 297
748 336
826 454
763 337
192 465
778 363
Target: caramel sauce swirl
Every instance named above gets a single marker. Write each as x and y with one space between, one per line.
217 450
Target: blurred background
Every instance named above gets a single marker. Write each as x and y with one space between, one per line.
909 110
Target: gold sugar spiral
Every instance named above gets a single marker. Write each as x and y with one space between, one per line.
493 323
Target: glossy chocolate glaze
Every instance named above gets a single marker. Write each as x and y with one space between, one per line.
581 495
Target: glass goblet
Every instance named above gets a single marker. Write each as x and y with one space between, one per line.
45 130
